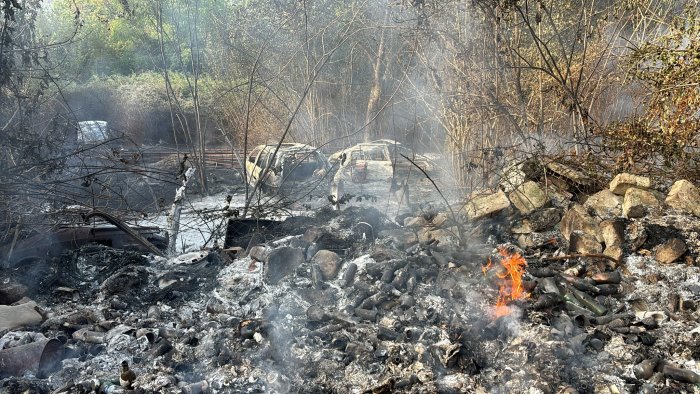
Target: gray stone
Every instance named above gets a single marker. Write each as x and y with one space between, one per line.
605 204
578 219
282 262
328 263
684 196
528 197
311 251
581 242
670 251
637 202
482 205
624 181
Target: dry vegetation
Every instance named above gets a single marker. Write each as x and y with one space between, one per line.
605 83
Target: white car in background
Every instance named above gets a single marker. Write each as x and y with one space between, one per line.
376 170
294 166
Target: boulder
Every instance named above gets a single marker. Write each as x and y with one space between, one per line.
402 237
328 263
418 221
259 253
580 242
313 234
282 262
543 219
670 251
513 175
624 181
604 204
684 196
19 316
637 202
612 232
578 219
635 235
440 219
571 174
614 251
12 292
528 197
445 237
483 205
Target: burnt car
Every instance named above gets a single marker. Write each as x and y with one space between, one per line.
375 170
294 166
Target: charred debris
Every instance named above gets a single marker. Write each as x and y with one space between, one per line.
558 284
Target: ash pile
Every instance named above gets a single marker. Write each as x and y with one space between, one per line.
551 284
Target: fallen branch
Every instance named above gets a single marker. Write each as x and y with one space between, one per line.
174 216
125 228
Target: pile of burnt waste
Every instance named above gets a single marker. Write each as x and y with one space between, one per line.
536 287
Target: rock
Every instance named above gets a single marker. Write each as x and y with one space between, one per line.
19 315
684 196
512 176
313 234
637 202
581 242
528 197
543 219
635 236
605 204
578 219
670 251
402 237
440 219
483 205
614 251
424 235
571 174
12 292
612 232
281 262
259 253
624 181
328 263
445 237
419 221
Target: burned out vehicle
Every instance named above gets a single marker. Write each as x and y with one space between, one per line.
377 169
294 166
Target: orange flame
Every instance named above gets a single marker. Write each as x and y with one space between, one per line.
510 286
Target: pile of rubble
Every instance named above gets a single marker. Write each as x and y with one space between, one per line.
353 301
